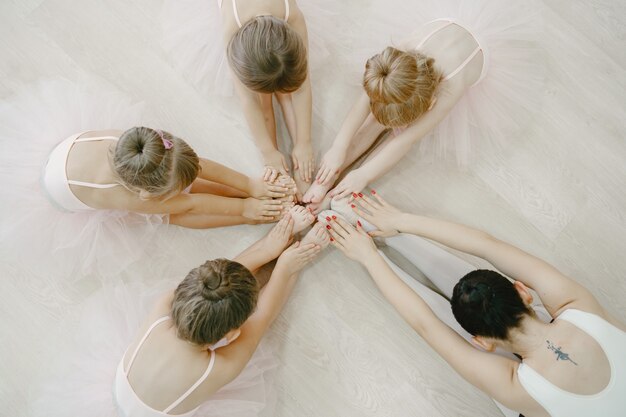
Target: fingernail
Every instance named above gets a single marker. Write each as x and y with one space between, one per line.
328 227
327 218
373 191
332 240
352 205
360 194
334 217
359 223
354 195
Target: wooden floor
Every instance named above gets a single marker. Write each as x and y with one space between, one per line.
559 194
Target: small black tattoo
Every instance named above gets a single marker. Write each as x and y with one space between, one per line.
560 355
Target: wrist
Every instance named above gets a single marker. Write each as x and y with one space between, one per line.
371 261
401 221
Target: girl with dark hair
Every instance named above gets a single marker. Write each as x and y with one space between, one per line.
571 366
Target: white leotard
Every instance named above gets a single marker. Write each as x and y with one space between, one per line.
611 401
128 402
236 12
55 180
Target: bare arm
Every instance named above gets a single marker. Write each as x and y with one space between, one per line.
491 373
397 148
271 302
556 291
219 173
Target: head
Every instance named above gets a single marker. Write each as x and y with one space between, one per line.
154 163
489 306
213 301
268 56
401 86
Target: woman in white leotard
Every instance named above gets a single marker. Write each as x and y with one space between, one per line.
572 366
446 79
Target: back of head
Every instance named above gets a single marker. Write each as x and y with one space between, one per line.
154 162
212 300
487 304
401 85
268 56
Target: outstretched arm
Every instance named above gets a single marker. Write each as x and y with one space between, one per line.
335 157
557 292
271 301
492 374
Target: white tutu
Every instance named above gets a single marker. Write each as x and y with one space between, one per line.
36 236
92 342
495 110
192 39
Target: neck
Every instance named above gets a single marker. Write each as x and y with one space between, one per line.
526 339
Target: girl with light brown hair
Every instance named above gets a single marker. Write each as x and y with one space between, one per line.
435 81
266 46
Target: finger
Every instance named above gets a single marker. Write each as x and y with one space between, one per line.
270 203
359 228
337 232
295 163
274 176
367 203
267 174
343 193
376 233
320 172
379 198
285 164
306 249
347 227
338 245
271 213
363 214
310 170
275 194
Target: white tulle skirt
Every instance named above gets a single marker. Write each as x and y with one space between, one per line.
193 42
93 340
37 236
496 110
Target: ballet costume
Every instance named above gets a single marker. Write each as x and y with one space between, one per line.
44 228
193 41
497 107
90 379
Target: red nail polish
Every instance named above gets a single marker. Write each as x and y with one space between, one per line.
359 223
352 205
360 194
328 227
373 191
334 217
327 218
354 195
332 240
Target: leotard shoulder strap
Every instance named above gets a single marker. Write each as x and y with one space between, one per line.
91 184
236 12
467 60
193 387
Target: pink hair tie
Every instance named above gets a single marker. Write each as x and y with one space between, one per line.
168 144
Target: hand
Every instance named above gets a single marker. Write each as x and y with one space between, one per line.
353 183
264 210
379 213
295 257
354 243
279 237
303 160
276 160
271 174
259 188
331 165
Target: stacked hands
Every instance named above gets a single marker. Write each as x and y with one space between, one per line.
355 242
271 197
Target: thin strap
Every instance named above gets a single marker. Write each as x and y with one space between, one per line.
460 67
236 13
286 10
143 339
194 386
431 33
91 184
97 138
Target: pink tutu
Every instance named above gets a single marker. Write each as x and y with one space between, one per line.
192 39
494 111
93 339
51 244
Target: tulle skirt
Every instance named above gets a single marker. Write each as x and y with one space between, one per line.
496 110
193 42
92 341
38 236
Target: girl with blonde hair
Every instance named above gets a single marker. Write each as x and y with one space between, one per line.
463 78
266 46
